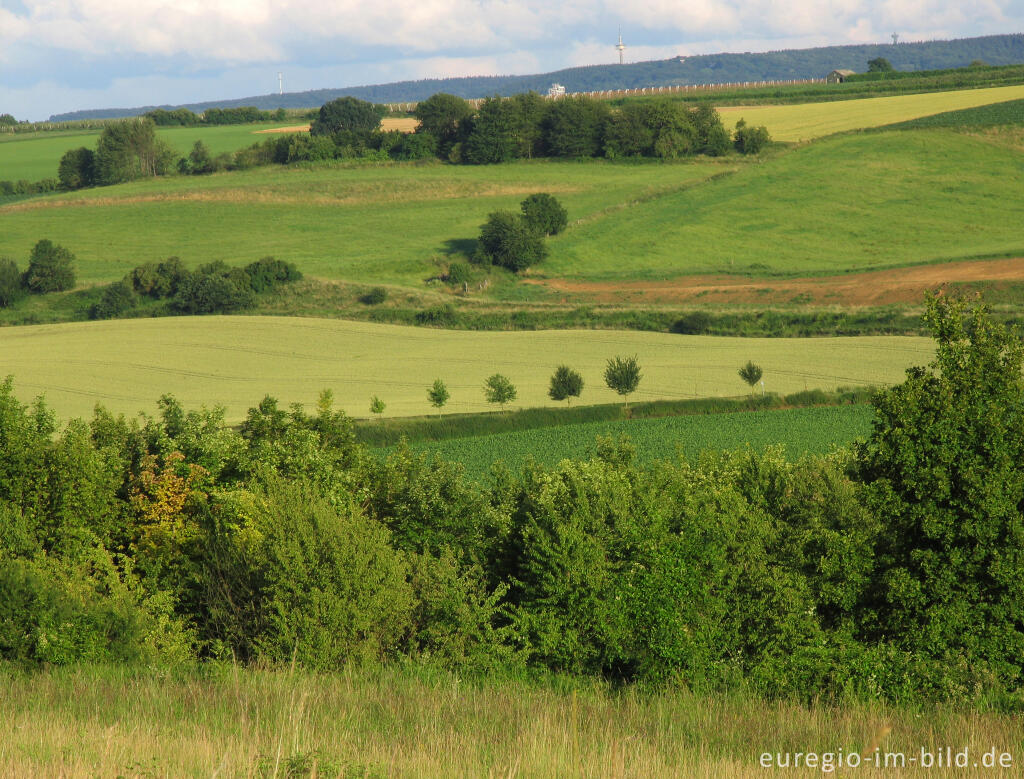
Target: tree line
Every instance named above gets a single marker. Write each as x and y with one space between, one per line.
894 570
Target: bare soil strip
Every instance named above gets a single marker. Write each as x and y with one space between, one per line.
870 288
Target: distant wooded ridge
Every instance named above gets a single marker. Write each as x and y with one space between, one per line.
697 69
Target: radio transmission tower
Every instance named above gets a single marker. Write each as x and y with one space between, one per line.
621 47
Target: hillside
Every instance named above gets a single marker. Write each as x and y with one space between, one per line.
698 69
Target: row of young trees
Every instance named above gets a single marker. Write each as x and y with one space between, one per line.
183 117
894 570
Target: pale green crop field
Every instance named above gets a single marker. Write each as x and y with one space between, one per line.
806 121
35 156
234 361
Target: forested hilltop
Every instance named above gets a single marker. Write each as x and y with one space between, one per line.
698 69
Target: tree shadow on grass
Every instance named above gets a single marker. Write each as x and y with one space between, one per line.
456 246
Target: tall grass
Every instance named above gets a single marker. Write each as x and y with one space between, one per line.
414 722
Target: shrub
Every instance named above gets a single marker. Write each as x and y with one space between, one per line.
11 288
693 323
374 297
267 273
459 273
544 214
117 299
508 240
750 140
442 315
211 293
50 268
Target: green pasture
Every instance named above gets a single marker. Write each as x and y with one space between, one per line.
35 156
806 121
392 223
853 202
234 361
799 431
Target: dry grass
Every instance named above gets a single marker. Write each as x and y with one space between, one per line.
111 722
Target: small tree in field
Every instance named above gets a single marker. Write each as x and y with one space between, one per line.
565 384
377 406
498 389
751 374
622 374
544 213
438 395
50 268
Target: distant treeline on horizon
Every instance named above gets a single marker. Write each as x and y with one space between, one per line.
697 69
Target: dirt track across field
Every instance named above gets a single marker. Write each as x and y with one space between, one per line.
871 288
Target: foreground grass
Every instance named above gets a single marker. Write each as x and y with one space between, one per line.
390 722
234 361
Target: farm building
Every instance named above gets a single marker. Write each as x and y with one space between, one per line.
838 76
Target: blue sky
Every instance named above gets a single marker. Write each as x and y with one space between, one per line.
64 55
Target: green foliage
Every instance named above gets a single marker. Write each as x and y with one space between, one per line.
574 126
11 287
267 273
622 374
347 113
438 395
442 116
374 297
498 389
117 299
441 315
158 280
199 160
750 373
943 475
333 590
77 168
459 273
565 384
993 115
50 268
213 291
129 150
879 65
544 214
509 240
376 405
750 140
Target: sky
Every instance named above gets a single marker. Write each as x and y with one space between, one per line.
65 55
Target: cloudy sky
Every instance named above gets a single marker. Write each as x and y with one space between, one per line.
63 55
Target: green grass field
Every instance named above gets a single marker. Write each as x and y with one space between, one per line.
35 156
234 361
800 431
853 202
807 121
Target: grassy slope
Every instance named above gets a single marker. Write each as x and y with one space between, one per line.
36 156
801 430
852 202
234 361
373 224
87 722
813 120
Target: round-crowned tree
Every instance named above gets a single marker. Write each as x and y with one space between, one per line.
498 389
347 113
508 240
622 374
544 213
565 384
438 395
50 268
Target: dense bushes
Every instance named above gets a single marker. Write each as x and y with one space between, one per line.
891 571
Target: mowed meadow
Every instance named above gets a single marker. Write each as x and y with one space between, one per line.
234 361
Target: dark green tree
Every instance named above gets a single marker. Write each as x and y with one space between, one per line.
11 288
944 474
622 374
544 213
199 159
130 150
880 65
751 374
118 298
498 389
509 241
565 384
492 135
574 127
347 113
442 115
750 140
438 395
50 268
77 168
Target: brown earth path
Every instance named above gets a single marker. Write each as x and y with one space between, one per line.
869 288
